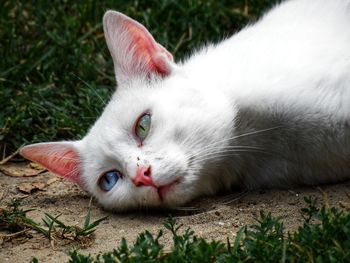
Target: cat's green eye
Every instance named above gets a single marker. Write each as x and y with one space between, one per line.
142 127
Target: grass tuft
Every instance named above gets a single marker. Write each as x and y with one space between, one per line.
15 220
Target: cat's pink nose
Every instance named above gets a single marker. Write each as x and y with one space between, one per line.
143 176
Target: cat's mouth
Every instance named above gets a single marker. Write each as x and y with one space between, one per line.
164 189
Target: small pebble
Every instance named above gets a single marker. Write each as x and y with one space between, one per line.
221 223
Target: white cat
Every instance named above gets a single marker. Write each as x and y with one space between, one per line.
268 107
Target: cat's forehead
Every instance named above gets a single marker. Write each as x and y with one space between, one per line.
125 106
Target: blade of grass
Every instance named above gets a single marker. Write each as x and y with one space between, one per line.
87 217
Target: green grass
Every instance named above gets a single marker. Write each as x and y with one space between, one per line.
56 73
324 236
14 219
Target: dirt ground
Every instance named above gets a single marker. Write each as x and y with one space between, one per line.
214 218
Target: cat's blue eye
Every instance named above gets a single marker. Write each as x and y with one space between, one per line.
109 179
142 126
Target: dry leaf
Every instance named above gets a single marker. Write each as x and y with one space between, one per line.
31 187
37 166
19 170
20 196
52 180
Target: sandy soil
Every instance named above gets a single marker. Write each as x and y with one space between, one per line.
214 218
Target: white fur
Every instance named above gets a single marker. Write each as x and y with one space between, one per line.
268 107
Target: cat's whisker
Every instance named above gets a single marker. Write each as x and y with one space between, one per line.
256 132
186 208
247 134
218 156
198 211
234 198
224 148
213 210
198 168
220 153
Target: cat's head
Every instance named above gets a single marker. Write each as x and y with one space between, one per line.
153 145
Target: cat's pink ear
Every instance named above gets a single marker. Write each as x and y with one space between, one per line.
134 50
60 158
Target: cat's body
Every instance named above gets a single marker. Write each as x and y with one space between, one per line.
290 71
268 107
